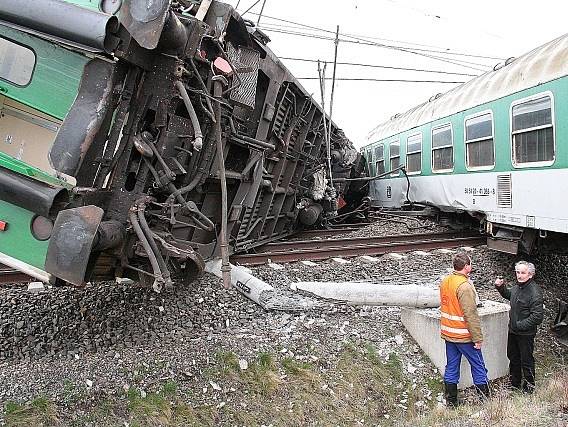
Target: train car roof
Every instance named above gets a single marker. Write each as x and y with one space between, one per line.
540 65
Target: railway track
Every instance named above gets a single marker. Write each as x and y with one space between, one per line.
320 249
312 250
333 231
11 275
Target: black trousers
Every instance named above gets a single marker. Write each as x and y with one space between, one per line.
521 361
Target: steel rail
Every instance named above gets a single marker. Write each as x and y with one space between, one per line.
326 232
355 241
11 275
314 254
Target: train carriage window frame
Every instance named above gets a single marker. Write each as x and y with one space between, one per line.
395 142
414 153
369 154
379 159
524 131
442 147
18 61
479 140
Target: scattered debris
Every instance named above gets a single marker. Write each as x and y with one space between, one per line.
36 286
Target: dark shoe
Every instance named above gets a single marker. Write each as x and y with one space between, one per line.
451 394
528 388
515 379
483 391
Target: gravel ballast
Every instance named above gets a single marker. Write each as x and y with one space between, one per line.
106 338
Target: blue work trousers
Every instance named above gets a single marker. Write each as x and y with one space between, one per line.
454 353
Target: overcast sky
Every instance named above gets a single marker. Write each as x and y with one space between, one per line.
490 30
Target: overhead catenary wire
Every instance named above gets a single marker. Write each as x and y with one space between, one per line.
458 62
366 38
248 10
361 41
381 80
299 27
260 14
388 67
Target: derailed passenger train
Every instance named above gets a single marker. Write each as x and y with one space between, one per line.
148 136
494 150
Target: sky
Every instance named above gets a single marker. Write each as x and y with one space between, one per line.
415 31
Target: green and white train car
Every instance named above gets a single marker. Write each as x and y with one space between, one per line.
38 82
495 147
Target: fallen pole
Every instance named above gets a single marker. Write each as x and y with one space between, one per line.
362 293
259 291
247 284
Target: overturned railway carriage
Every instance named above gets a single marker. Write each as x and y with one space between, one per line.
145 142
494 149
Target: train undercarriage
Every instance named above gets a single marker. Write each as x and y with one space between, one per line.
187 140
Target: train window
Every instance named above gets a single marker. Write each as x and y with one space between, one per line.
442 149
532 131
16 63
369 155
380 159
394 157
414 154
480 148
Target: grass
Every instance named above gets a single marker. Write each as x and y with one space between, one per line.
507 409
227 361
261 378
360 386
39 412
149 409
165 408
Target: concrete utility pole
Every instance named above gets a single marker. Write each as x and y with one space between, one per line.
321 74
331 103
372 293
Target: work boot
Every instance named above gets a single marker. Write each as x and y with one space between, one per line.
528 387
483 391
451 394
515 378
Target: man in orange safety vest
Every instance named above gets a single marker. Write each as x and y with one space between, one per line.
461 329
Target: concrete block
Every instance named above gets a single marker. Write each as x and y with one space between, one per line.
421 253
370 259
36 286
396 256
275 266
341 261
309 263
424 326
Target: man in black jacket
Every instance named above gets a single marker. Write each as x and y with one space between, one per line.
525 315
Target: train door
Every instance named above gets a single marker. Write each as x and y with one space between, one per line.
26 134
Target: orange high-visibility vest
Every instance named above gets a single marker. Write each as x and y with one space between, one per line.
453 324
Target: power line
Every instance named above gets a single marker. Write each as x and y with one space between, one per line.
300 27
277 29
248 10
260 14
458 62
379 66
379 80
357 37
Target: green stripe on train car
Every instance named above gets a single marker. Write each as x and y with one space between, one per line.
87 4
17 240
23 168
55 79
